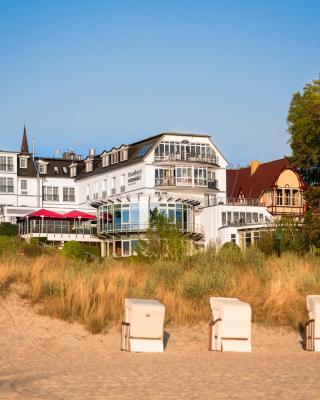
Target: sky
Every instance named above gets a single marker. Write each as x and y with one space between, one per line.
84 74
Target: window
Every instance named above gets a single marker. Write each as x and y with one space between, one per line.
73 171
184 175
50 193
6 185
200 176
23 162
24 186
233 238
89 166
42 168
114 157
113 185
6 163
105 160
65 171
279 197
68 194
122 184
287 197
123 155
56 170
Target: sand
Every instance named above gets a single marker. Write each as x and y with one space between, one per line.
44 358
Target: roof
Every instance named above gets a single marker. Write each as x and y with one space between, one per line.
24 143
264 178
58 167
75 214
43 213
135 155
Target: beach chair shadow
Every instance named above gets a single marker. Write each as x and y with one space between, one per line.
302 335
166 338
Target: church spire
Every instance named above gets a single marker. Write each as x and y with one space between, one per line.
24 143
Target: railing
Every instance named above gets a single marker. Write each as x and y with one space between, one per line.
56 228
187 157
241 202
243 223
187 181
128 227
213 184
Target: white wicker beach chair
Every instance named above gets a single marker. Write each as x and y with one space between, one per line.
230 329
142 329
312 330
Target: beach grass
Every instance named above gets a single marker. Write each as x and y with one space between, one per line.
93 293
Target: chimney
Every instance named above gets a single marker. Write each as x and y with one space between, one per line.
254 166
92 152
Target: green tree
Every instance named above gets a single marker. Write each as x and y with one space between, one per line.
304 129
163 240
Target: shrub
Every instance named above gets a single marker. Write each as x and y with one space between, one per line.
74 250
7 229
163 240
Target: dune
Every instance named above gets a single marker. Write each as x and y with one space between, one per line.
43 358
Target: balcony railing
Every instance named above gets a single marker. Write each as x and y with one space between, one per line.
45 227
187 181
129 227
241 202
188 158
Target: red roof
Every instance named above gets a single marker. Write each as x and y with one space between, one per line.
74 214
44 214
252 186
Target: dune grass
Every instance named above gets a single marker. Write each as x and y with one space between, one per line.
93 293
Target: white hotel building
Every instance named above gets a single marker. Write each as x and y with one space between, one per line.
182 175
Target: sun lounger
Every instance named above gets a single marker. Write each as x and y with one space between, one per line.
230 329
312 331
142 330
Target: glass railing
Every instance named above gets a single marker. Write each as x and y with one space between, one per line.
137 227
188 158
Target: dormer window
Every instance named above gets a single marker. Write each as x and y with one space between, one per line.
114 157
23 162
56 170
73 170
42 168
105 160
123 154
89 166
65 171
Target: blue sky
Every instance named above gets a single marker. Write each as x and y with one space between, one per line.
97 74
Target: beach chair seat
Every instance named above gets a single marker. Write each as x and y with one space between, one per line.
312 328
142 329
230 329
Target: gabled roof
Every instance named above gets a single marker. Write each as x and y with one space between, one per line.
241 181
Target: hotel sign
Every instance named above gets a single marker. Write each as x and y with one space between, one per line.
134 177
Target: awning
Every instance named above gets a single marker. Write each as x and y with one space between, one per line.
46 214
74 214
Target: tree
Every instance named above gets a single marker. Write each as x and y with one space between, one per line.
163 240
304 128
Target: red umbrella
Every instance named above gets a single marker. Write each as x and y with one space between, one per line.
74 214
44 214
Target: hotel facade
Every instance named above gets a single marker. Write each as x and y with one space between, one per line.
181 175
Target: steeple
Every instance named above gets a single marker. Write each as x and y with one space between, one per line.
24 143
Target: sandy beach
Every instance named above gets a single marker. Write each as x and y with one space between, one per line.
43 358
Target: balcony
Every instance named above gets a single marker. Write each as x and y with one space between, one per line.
110 228
213 184
187 181
59 230
213 160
